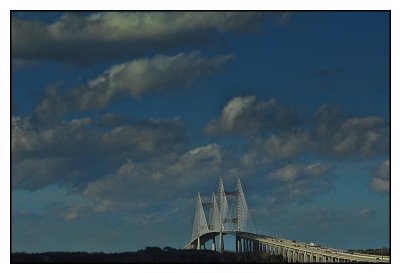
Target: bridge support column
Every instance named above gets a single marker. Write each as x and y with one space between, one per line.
213 245
238 245
221 242
198 243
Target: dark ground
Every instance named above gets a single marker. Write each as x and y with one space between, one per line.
373 251
149 255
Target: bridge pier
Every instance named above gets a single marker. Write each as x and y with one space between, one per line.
238 244
301 257
327 259
213 244
221 242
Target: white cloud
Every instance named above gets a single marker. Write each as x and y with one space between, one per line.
137 77
134 78
247 115
283 146
291 172
200 158
299 182
354 137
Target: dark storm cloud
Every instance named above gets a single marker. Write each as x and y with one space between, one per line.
84 39
72 152
380 181
275 133
135 78
134 183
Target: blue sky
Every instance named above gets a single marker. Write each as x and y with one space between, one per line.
119 118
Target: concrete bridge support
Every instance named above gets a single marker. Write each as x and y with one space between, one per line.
301 257
327 259
295 256
221 242
213 244
238 245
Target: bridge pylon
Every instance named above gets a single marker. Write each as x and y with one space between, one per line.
200 226
221 219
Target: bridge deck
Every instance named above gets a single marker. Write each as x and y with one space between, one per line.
301 247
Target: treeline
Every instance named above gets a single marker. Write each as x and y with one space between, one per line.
373 251
149 255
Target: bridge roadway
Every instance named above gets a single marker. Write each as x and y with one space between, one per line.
293 251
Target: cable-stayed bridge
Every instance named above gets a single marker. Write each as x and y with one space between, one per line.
235 219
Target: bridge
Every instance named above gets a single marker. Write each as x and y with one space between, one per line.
236 220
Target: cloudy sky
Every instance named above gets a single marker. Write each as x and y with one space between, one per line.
118 119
